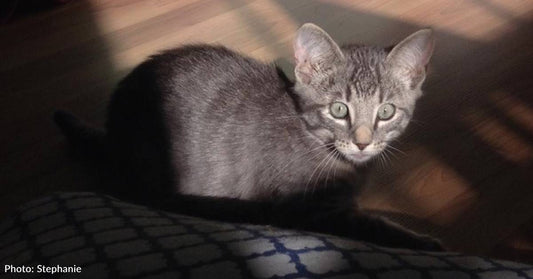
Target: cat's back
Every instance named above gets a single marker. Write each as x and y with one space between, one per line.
212 68
193 79
202 109
212 84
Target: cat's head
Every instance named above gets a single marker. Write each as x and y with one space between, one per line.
358 98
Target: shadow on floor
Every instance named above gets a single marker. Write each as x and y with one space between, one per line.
47 61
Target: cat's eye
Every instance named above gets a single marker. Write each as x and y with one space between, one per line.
386 111
338 110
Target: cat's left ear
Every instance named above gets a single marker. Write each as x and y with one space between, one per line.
409 58
315 52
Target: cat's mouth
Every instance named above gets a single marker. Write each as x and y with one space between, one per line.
358 157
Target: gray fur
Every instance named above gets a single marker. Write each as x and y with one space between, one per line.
235 130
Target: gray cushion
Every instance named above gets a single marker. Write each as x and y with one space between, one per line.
109 238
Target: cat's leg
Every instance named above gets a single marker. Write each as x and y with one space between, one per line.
377 230
384 232
304 214
345 221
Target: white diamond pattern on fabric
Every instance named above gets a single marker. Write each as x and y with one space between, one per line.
109 238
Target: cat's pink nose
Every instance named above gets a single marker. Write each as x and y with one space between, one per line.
363 137
361 145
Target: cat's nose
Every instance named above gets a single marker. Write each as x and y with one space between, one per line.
363 137
361 145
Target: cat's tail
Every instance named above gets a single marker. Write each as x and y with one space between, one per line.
85 141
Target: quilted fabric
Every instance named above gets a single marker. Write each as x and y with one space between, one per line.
109 238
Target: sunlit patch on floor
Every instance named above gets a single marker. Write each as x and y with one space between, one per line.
496 134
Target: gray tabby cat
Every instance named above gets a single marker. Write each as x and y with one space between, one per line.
204 121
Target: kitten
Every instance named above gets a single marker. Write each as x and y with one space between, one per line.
236 140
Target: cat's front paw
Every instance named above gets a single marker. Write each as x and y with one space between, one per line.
399 236
426 243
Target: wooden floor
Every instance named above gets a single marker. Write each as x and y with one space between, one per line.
465 172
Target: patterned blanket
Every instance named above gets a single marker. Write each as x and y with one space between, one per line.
86 235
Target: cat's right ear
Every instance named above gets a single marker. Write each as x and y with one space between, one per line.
314 52
408 59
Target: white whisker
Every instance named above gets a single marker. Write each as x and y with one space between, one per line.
332 166
317 149
317 180
313 173
397 149
335 169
